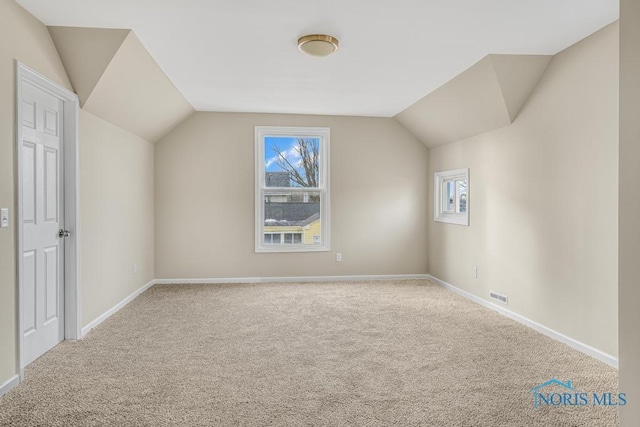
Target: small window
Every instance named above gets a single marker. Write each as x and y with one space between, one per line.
292 189
451 196
271 238
282 238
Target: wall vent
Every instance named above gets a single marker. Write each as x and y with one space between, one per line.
499 297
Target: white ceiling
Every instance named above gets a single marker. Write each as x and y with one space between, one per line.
241 55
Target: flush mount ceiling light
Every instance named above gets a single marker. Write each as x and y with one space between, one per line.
318 45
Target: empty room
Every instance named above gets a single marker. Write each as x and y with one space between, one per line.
293 213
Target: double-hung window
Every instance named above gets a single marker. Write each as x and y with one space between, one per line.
292 189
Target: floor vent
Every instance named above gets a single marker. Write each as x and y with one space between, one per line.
499 297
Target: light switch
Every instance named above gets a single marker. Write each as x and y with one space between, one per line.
4 218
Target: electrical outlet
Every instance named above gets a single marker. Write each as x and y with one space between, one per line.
4 218
475 272
338 257
135 267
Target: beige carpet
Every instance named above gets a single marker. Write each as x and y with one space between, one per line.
402 353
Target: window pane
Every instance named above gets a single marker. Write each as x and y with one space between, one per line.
462 196
297 220
291 161
449 195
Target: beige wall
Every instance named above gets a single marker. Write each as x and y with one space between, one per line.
24 38
543 198
116 201
205 199
629 232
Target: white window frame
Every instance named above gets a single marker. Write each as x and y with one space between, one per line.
261 190
440 214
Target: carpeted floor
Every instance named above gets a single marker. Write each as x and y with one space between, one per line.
402 353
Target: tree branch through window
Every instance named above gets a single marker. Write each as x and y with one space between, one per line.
302 164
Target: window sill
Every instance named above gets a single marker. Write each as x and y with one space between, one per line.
290 249
453 219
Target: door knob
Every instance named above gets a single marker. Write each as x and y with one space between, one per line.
63 233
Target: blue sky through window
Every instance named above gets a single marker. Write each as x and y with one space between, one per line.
286 145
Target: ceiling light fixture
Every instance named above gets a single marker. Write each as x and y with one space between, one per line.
318 44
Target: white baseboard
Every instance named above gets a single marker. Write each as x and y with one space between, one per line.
9 384
584 348
289 279
104 316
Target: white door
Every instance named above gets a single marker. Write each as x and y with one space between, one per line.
42 295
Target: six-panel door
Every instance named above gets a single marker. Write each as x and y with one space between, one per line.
42 296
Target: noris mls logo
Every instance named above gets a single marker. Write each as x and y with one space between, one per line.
557 393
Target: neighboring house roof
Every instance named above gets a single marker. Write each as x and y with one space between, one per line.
311 219
291 213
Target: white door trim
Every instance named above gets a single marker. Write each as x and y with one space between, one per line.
71 108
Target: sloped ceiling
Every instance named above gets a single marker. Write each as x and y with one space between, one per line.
241 56
487 96
116 79
86 54
517 76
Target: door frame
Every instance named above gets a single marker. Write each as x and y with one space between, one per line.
71 183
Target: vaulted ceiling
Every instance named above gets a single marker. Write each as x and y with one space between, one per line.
242 56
